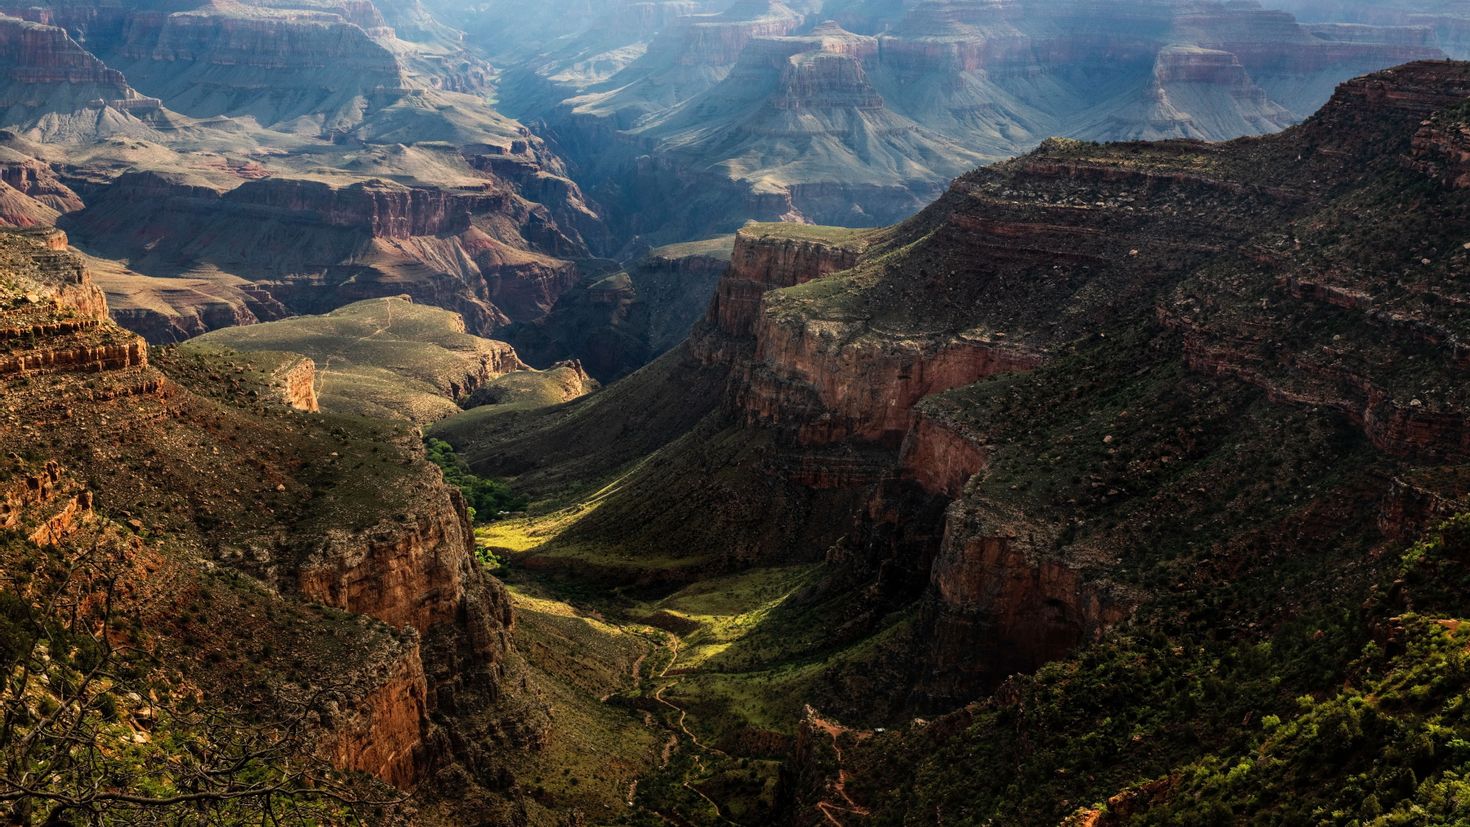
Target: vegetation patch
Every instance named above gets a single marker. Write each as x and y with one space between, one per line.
488 499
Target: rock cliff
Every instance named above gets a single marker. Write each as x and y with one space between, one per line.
58 91
222 471
886 112
308 246
614 324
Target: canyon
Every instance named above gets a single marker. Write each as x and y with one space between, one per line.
363 137
1074 397
859 114
824 412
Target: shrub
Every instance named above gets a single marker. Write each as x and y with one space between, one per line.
488 499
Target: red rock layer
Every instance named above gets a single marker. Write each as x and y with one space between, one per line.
312 247
940 458
758 264
994 609
812 380
416 573
383 735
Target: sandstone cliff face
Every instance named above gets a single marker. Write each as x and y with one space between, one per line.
383 735
312 247
43 57
297 382
207 64
940 456
409 574
996 609
59 325
759 264
75 385
833 383
37 180
829 381
55 90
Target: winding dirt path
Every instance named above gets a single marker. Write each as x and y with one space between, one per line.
672 641
838 788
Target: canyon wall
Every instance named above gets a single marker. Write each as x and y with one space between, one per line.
72 378
306 246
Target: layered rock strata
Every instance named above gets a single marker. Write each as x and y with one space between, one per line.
79 387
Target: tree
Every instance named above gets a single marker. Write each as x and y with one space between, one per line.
86 739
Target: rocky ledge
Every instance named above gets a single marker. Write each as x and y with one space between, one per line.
433 626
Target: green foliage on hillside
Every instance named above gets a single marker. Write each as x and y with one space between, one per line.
488 499
1353 713
97 730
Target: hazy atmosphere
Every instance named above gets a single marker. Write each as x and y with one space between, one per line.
821 413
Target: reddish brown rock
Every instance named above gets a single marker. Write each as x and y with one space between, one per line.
827 385
997 605
940 457
484 252
383 735
760 263
90 389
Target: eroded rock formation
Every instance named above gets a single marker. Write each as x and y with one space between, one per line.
78 387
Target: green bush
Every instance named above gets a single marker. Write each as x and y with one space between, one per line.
488 499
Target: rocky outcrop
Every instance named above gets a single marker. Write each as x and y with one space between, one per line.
762 262
77 386
296 380
828 383
998 605
408 572
383 734
45 502
40 183
1442 150
59 325
312 247
939 456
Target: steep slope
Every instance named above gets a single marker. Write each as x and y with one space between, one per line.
1149 421
313 245
615 324
291 112
57 91
270 558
